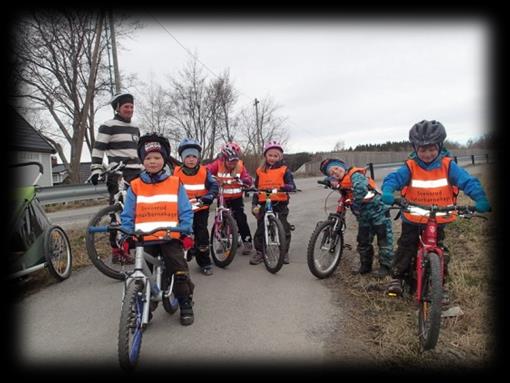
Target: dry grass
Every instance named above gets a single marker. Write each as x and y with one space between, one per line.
390 325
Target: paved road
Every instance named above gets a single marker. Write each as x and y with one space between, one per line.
243 313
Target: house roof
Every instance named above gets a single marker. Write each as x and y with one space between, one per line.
25 137
84 170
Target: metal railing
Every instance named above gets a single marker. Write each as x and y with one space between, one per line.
470 158
71 193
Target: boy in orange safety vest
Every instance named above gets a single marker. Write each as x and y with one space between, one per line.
201 188
372 215
229 167
273 174
157 199
429 177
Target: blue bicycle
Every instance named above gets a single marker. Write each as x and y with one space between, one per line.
143 290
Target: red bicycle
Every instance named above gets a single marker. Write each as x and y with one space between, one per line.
428 278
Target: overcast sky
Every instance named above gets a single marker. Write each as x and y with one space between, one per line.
356 81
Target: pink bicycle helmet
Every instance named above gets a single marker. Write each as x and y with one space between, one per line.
232 146
272 145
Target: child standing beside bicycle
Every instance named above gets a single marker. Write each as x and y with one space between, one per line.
372 215
272 174
229 167
201 188
156 199
429 177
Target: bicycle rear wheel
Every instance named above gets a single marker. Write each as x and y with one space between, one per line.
429 313
57 251
100 245
224 241
130 326
274 247
325 250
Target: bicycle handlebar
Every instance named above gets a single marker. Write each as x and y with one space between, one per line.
136 233
469 210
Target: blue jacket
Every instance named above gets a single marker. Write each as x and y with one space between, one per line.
457 176
127 216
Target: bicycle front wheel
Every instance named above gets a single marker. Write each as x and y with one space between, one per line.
325 250
274 245
130 326
100 245
429 313
57 251
224 241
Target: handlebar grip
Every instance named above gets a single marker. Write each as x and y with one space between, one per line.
98 229
325 183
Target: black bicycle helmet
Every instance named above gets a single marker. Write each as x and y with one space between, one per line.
153 137
187 143
426 133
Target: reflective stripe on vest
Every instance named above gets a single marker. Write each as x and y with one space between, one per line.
272 179
194 185
430 187
346 183
156 206
230 191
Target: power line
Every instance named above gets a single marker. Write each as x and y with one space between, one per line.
192 55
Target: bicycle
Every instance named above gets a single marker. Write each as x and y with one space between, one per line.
100 244
143 290
224 238
428 278
275 242
326 244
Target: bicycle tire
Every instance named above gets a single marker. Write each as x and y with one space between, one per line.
130 326
57 252
274 265
429 313
321 262
228 235
99 245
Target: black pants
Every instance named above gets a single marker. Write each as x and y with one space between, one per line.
175 263
282 211
201 233
407 247
237 207
112 182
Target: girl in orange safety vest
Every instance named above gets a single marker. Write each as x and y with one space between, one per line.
273 174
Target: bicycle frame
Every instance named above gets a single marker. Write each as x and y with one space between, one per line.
220 210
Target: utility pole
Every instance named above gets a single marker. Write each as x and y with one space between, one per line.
114 53
257 130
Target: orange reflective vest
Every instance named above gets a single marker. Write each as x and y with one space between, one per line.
194 185
230 191
156 206
272 179
346 184
430 187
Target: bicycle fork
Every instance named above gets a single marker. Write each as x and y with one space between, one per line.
428 244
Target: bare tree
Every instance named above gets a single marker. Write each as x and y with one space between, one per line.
339 146
260 124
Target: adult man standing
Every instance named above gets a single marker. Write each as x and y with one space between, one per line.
118 139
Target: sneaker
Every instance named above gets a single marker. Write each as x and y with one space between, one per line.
394 288
381 272
207 270
286 259
247 248
256 258
187 316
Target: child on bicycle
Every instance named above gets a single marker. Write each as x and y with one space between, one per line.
154 199
429 177
201 188
228 167
272 174
372 215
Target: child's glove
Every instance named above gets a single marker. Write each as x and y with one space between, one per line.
387 197
256 211
187 242
482 206
206 200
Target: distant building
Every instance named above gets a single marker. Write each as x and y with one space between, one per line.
60 173
28 145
